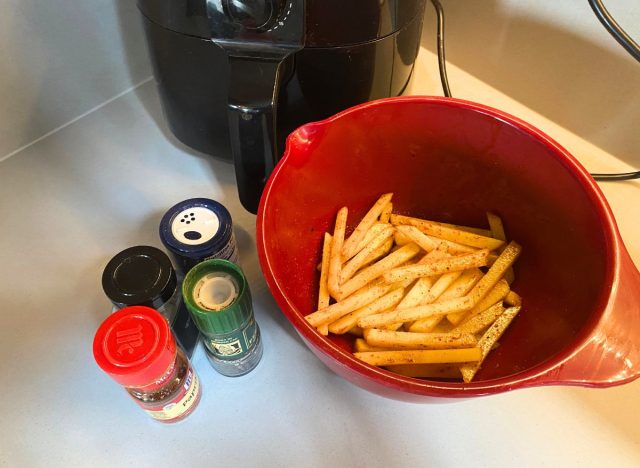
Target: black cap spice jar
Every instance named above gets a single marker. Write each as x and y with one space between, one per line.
143 275
217 294
135 347
198 229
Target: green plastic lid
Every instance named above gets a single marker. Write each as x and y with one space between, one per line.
217 296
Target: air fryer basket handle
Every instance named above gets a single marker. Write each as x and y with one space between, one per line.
253 94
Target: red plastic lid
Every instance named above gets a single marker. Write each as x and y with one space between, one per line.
134 346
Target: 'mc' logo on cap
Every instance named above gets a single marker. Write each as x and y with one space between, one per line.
129 339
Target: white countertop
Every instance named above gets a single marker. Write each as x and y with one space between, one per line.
72 200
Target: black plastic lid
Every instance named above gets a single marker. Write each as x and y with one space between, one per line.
141 275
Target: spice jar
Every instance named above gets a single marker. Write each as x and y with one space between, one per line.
135 347
198 229
217 295
144 275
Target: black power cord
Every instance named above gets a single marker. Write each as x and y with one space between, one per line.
605 18
630 46
442 65
614 29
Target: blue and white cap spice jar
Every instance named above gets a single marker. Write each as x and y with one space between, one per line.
198 229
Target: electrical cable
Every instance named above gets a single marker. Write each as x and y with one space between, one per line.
616 176
614 29
609 23
442 66
630 46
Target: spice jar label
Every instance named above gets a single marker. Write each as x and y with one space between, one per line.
228 252
235 345
187 397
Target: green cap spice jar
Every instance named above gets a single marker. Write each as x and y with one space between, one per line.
218 297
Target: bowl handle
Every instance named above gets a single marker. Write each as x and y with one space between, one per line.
611 355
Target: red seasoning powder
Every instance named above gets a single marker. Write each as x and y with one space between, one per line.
135 347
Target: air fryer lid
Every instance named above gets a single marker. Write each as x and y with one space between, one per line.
328 22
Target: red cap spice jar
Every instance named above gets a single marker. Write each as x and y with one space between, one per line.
135 347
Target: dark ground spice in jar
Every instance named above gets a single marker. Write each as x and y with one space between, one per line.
135 347
167 386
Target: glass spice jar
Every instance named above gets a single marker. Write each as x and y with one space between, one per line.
144 275
217 294
198 229
135 347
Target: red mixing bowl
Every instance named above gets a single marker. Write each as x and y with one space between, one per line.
451 160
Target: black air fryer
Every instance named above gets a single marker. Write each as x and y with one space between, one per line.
236 77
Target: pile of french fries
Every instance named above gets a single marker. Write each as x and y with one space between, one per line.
425 299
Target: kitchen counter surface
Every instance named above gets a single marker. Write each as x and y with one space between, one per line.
72 200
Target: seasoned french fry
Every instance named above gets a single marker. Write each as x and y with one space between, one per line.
386 212
402 239
441 327
360 345
350 245
348 321
372 272
408 340
428 288
433 293
335 263
474 230
394 301
421 356
490 337
495 273
415 313
459 288
323 293
418 293
479 322
448 233
429 243
360 299
462 285
440 286
360 259
496 294
428 371
381 251
497 231
438 267
496 227
509 275
323 297
369 236
415 235
513 299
